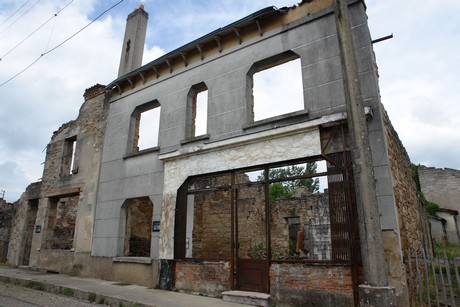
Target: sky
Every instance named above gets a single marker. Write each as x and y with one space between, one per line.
419 68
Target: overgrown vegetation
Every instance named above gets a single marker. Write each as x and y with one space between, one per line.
452 250
91 297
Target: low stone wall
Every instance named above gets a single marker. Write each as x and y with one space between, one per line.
208 278
295 284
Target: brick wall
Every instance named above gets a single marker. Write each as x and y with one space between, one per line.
293 284
209 278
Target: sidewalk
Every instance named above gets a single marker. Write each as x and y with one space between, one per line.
104 292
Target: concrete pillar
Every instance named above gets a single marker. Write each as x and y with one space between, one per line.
133 43
375 285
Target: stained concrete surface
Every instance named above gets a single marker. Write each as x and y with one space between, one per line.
109 292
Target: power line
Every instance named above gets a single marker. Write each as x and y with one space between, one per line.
62 43
36 30
27 11
14 13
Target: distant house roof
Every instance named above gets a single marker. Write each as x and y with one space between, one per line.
449 211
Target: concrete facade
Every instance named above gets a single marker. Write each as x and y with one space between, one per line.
126 212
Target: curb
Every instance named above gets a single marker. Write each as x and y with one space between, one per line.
83 295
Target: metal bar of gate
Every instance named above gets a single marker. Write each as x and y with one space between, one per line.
449 279
457 275
443 285
427 278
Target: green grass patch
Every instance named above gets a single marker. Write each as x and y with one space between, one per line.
91 297
67 292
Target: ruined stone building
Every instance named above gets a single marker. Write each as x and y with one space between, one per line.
248 201
442 186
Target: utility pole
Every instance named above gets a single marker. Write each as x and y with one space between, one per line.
375 291
2 194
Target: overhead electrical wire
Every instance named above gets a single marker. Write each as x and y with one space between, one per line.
62 43
27 11
36 30
14 13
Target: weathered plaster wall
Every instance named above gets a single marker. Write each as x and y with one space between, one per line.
442 186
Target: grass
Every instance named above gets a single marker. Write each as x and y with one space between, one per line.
452 250
91 297
67 292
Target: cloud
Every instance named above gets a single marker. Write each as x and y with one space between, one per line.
418 68
419 76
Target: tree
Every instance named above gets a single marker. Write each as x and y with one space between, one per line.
286 189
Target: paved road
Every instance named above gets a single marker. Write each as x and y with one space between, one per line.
11 295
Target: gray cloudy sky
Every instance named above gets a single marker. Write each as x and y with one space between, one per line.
419 68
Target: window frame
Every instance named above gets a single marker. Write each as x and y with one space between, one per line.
134 128
192 110
266 64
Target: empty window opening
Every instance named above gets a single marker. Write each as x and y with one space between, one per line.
145 126
197 110
277 88
201 113
69 163
60 228
138 233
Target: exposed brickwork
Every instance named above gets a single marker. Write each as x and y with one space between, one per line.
209 278
294 284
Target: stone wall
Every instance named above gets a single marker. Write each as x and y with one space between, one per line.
61 206
6 219
411 216
407 202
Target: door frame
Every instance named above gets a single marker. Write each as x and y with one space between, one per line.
244 270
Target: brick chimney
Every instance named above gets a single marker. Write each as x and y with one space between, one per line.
133 43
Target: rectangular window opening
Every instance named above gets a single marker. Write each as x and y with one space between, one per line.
278 90
148 129
201 114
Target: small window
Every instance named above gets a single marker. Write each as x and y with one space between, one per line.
197 110
61 219
69 164
276 86
145 126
